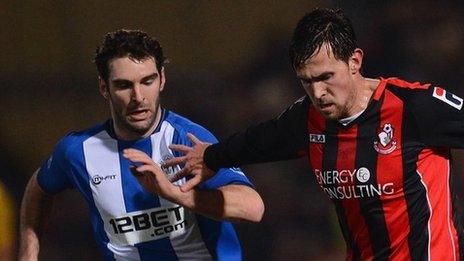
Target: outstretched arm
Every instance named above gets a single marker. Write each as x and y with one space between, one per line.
282 138
230 202
35 207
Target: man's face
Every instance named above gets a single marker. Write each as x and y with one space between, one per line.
133 90
329 83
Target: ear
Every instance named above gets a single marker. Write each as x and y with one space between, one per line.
103 87
162 79
355 61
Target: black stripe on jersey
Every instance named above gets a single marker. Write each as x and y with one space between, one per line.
414 194
346 232
371 207
329 161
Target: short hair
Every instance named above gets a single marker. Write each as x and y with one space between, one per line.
318 27
135 44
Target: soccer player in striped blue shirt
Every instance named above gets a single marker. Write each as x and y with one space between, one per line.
136 212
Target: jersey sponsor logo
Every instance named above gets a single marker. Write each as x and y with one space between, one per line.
447 97
316 138
351 183
363 175
96 180
147 225
386 142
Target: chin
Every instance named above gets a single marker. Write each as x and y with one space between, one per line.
329 115
140 127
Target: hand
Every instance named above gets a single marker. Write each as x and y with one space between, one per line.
193 163
150 175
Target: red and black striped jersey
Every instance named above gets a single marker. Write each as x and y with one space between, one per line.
387 172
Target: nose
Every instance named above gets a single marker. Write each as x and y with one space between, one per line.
319 89
137 94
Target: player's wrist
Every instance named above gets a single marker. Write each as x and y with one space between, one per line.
210 160
185 199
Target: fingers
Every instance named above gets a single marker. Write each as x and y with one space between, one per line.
178 175
131 150
191 183
193 139
134 171
174 161
148 168
138 156
157 173
180 148
148 165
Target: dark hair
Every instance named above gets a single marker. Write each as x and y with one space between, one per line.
133 43
318 27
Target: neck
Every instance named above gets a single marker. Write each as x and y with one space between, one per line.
365 88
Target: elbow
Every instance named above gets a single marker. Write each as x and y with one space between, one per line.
259 213
242 203
257 210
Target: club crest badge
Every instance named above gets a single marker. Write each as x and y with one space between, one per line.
386 142
168 170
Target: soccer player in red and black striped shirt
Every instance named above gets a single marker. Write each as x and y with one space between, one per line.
379 148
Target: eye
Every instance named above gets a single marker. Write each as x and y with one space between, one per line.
122 85
148 82
305 81
327 77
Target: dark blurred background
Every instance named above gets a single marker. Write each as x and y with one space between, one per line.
228 69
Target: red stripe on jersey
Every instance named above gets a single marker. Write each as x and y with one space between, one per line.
379 90
346 159
405 84
390 175
397 82
433 167
316 126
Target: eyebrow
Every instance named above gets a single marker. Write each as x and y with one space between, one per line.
317 77
148 77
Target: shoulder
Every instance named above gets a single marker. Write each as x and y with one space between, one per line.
422 98
298 106
72 142
402 89
183 126
399 83
302 102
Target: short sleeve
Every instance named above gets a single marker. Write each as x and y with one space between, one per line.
226 177
53 176
439 117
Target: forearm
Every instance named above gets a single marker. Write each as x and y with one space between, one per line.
35 207
282 138
231 202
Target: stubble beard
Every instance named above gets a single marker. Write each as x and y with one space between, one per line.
340 111
135 128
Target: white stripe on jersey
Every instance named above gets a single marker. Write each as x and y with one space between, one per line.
103 166
102 161
190 245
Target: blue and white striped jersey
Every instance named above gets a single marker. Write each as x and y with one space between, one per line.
128 222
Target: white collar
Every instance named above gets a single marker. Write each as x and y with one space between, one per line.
348 120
